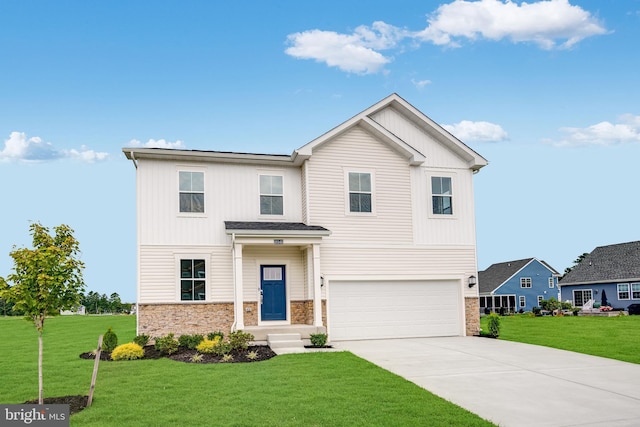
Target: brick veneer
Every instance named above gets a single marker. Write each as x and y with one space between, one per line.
472 310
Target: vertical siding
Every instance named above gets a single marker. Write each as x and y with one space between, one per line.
291 256
359 151
436 153
231 194
159 276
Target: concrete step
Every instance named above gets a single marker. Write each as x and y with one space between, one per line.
286 343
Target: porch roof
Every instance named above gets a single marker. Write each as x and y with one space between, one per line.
264 228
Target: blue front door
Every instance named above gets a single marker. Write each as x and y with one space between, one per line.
274 293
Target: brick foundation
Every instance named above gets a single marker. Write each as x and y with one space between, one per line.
472 310
160 319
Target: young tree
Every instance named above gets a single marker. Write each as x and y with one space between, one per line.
46 279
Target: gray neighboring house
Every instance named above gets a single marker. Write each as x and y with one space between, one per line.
517 285
609 275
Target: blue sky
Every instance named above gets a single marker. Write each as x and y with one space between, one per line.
547 91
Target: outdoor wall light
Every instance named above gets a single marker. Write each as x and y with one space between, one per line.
472 281
321 281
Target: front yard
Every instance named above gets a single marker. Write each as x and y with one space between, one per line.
612 337
315 389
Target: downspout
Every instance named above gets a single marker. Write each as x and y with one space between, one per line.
233 262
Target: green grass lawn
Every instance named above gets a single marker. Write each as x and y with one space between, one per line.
612 337
314 389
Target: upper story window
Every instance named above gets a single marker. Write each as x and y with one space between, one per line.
360 192
271 195
551 282
191 191
441 195
525 282
192 280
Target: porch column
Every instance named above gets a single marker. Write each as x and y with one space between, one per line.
238 300
317 294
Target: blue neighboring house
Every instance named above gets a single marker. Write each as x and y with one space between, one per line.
609 275
519 285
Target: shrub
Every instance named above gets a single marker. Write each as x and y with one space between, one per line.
318 340
494 325
227 358
130 351
167 344
240 340
252 355
190 341
142 340
212 335
109 340
196 358
208 346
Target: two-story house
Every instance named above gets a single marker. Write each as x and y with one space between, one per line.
367 231
520 285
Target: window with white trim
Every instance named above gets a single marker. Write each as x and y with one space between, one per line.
193 280
271 195
635 290
540 299
623 291
525 282
523 301
551 282
191 189
581 296
441 195
360 192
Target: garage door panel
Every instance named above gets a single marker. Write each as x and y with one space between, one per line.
371 310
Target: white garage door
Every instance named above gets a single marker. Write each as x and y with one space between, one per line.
406 309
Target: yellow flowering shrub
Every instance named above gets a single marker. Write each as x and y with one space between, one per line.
208 346
129 351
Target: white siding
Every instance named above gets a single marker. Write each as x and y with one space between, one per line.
290 256
159 276
359 151
436 153
231 194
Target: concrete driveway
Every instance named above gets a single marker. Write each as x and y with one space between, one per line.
513 384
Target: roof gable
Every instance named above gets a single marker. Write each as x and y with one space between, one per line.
498 274
366 121
618 262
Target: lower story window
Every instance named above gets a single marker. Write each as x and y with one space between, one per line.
192 280
523 301
635 290
581 297
623 291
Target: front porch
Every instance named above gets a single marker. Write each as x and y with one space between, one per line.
261 333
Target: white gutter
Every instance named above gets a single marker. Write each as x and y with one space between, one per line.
133 157
233 257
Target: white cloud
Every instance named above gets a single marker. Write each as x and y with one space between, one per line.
627 131
19 147
87 155
420 84
548 23
468 131
545 23
159 143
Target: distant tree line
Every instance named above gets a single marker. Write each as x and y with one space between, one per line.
93 302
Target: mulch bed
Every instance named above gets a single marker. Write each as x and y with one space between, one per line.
78 403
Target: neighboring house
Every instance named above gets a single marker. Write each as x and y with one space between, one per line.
81 309
365 232
517 285
610 275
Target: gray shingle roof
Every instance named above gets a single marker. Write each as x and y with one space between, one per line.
497 274
612 263
272 226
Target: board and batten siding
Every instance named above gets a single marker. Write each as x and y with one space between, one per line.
327 188
231 194
290 256
159 272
